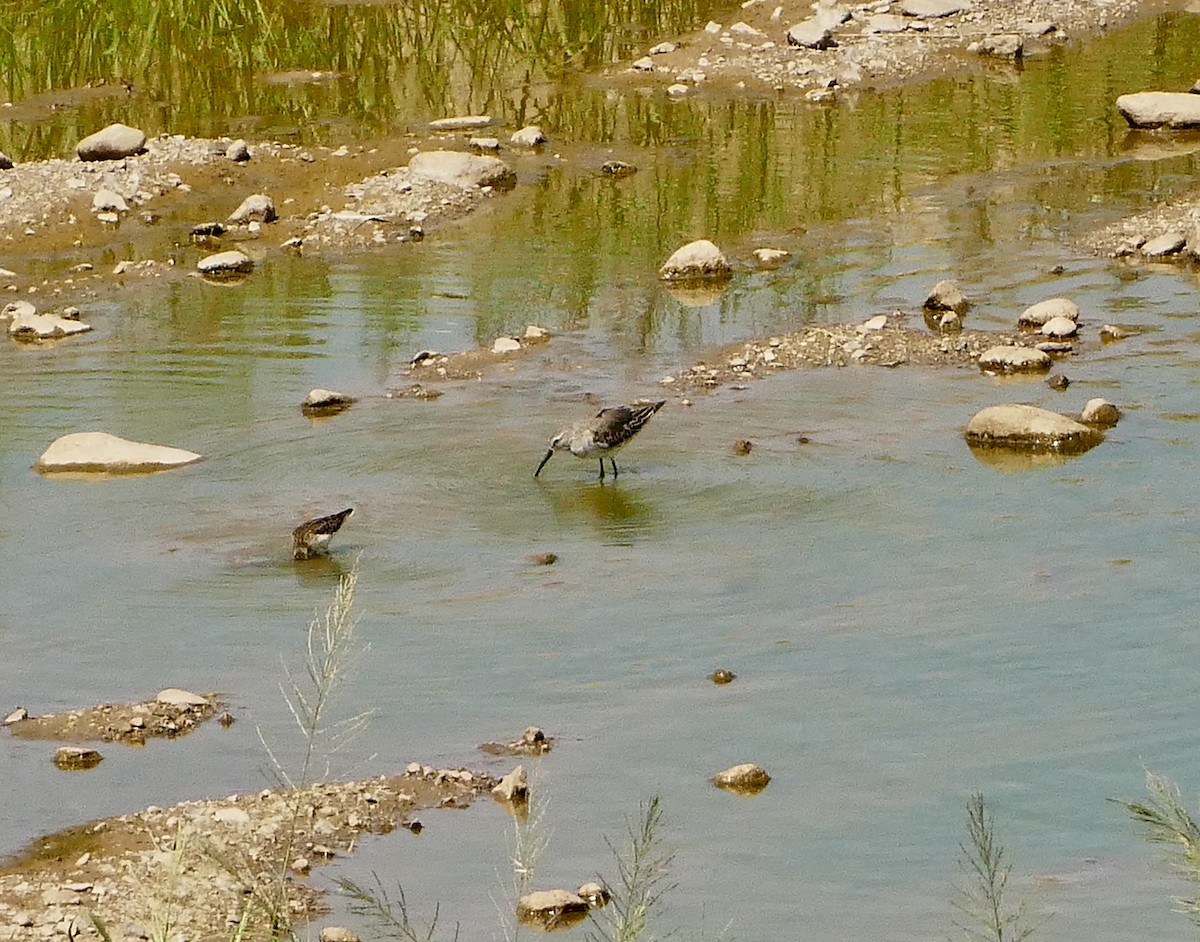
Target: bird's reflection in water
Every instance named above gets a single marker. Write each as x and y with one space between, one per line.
617 515
323 570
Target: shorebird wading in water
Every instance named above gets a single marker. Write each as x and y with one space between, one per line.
602 435
312 537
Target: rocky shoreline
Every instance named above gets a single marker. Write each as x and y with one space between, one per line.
198 866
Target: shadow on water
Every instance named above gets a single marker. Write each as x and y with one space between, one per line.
617 515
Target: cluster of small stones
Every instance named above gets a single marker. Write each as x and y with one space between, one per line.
386 208
119 722
827 45
841 345
1170 232
430 365
201 860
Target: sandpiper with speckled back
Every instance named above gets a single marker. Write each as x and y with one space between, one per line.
602 435
313 537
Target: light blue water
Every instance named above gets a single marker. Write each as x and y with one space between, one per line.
908 623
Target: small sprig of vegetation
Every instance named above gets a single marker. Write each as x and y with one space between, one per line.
1165 820
643 880
388 916
986 868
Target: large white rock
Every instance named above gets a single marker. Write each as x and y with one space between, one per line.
174 696
225 264
946 295
459 169
1037 314
1059 327
529 136
111 143
813 33
461 122
257 207
1160 109
696 260
1014 359
932 9
24 323
1028 427
99 452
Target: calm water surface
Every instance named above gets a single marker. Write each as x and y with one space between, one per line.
908 623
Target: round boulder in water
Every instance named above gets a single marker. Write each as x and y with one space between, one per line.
697 261
1031 429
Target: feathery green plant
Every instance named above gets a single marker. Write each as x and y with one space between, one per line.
387 916
1166 821
642 881
981 897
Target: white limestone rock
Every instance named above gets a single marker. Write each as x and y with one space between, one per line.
1174 110
174 696
461 122
529 136
102 452
1014 359
111 143
462 170
1028 427
696 261
27 325
1036 315
258 207
225 264
1059 327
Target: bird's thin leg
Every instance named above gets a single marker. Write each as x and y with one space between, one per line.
601 468
614 464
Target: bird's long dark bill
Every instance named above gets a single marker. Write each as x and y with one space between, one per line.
549 455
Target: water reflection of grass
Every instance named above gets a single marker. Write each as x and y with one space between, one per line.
191 66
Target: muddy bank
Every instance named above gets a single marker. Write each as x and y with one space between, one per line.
202 867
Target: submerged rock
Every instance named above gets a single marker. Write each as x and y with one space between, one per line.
76 758
1014 359
1059 327
696 261
946 295
225 265
1030 428
552 909
745 779
26 324
1100 413
722 675
1173 110
325 402
102 452
111 143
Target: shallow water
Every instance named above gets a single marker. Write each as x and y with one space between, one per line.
908 623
